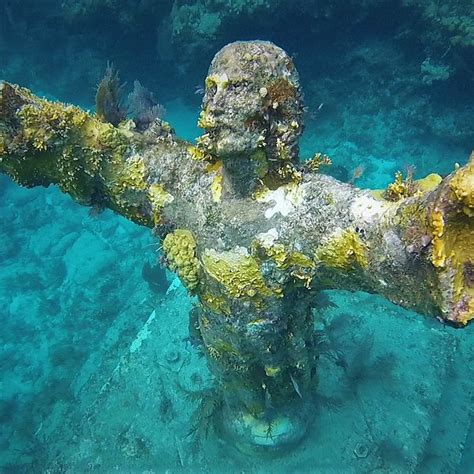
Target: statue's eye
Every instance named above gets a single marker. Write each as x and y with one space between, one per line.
235 86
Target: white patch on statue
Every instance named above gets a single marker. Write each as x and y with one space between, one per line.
268 239
367 209
286 198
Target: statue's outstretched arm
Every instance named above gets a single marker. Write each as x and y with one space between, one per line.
44 143
418 251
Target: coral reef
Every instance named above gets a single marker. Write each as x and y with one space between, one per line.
463 187
452 250
259 140
92 161
387 84
452 21
128 13
403 36
344 250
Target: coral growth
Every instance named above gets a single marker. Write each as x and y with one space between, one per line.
128 13
108 98
452 252
318 160
243 257
438 257
237 272
202 423
85 157
344 250
143 106
401 187
158 198
180 250
462 185
282 257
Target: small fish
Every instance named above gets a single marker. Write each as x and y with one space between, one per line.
441 320
357 173
199 90
295 386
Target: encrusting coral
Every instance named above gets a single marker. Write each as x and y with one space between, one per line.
344 250
180 250
401 187
452 226
237 272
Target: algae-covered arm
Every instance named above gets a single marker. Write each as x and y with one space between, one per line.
138 175
418 251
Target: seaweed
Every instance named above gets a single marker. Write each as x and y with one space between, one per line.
209 404
401 187
327 347
359 366
326 337
143 107
108 98
202 423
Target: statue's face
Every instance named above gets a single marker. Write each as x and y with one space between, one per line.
252 98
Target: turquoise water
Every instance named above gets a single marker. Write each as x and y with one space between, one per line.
96 359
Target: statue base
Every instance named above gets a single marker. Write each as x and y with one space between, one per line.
280 432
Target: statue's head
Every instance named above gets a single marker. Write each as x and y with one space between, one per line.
252 105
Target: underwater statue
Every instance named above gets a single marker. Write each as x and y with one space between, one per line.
251 232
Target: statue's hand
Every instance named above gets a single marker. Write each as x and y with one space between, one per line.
451 219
